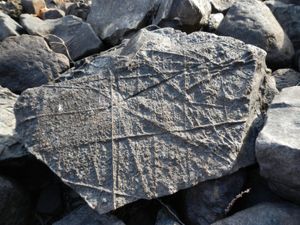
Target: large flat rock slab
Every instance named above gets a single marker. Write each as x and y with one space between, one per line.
161 112
278 145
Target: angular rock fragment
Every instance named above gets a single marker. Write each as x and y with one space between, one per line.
286 78
222 5
288 16
112 22
9 142
215 21
26 61
8 27
164 218
252 22
265 214
86 216
69 31
207 202
14 203
33 6
52 14
278 145
157 114
13 8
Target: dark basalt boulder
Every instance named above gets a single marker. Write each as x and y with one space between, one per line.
157 114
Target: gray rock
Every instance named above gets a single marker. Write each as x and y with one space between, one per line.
295 2
27 61
14 203
13 8
260 29
79 9
70 30
288 16
165 218
9 142
286 78
186 15
112 25
86 216
278 145
157 114
209 201
265 214
53 14
222 5
8 27
215 21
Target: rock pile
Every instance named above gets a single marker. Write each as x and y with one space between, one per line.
155 112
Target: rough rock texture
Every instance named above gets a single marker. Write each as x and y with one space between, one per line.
286 78
215 21
14 203
278 145
86 216
9 142
252 22
13 8
222 5
288 16
265 214
70 30
8 27
27 61
159 113
112 22
165 218
207 202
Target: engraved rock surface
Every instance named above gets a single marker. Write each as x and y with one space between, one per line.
159 113
278 145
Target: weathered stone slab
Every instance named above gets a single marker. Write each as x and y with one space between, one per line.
157 114
278 145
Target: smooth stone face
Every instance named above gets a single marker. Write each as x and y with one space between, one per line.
86 216
9 142
265 214
278 145
222 5
76 35
165 218
252 22
8 27
286 78
26 61
209 201
112 22
52 14
14 203
155 115
288 16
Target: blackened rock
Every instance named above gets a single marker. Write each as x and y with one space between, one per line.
86 216
286 78
52 14
8 27
165 218
160 113
209 201
222 5
76 35
26 61
288 16
252 22
278 145
33 6
265 214
14 203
